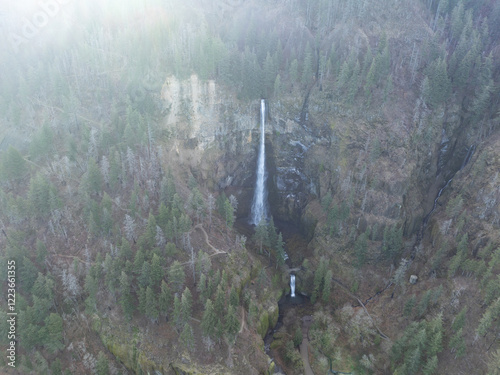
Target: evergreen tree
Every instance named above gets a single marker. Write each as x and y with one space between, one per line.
156 270
232 324
360 248
186 304
139 260
234 298
141 295
280 251
145 276
176 276
177 314
151 305
12 165
439 83
94 178
209 320
102 365
126 298
261 234
187 337
125 250
220 302
165 299
327 286
54 326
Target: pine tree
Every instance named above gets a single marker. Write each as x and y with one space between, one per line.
139 260
232 324
280 251
187 337
54 326
177 314
145 276
165 299
272 234
186 304
141 295
327 286
261 234
94 178
156 270
209 320
234 298
360 248
151 305
220 302
126 298
176 276
102 365
12 165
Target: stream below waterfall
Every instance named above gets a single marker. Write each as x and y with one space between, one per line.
293 311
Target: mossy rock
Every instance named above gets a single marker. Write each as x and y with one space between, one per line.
268 319
263 324
276 344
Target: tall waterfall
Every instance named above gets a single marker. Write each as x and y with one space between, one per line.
259 203
292 286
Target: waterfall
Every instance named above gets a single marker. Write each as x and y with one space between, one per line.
259 203
292 286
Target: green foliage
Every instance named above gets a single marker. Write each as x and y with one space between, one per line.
454 206
261 236
102 365
409 305
151 304
438 88
360 248
42 196
176 276
393 241
459 257
125 296
164 299
231 324
297 337
418 346
54 327
186 304
12 165
94 177
326 201
187 337
209 320
319 281
41 144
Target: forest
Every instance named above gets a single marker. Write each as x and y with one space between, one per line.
128 144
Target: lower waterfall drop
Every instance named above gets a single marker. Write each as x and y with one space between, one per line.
292 286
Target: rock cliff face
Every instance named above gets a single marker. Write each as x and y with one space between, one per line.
389 170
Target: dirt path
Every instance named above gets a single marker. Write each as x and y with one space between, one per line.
304 346
216 251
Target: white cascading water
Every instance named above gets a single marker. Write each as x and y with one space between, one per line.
292 286
259 204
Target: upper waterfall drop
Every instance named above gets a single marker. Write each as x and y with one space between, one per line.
292 285
259 204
